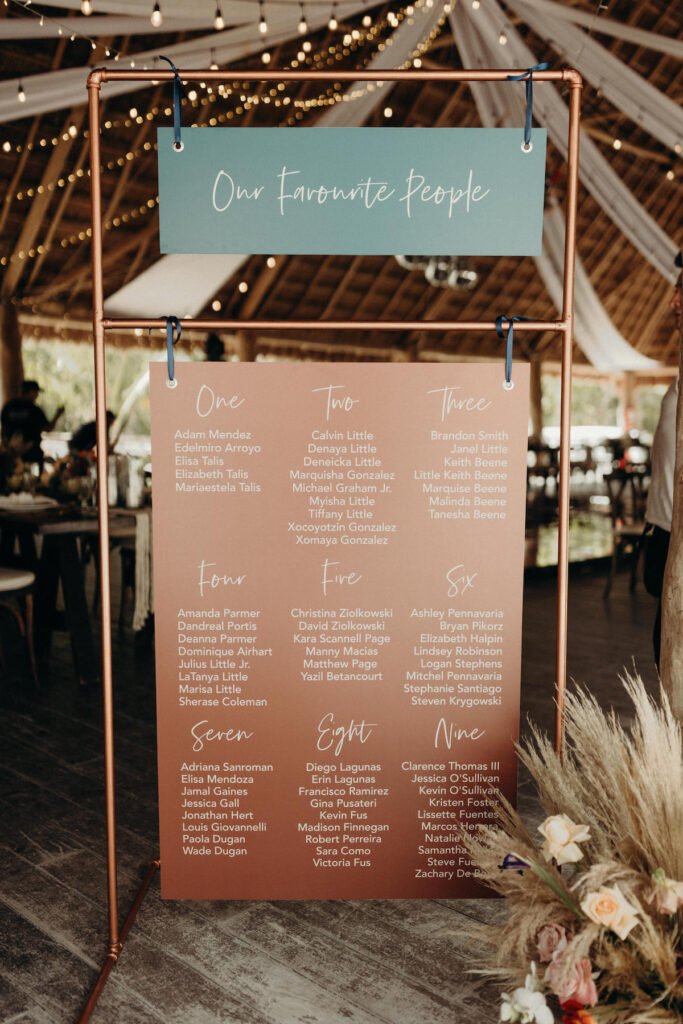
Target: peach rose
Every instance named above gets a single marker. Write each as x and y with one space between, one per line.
577 985
610 908
561 838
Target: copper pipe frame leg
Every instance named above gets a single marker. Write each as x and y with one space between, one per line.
565 414
114 953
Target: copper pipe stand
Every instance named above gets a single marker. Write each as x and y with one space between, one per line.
101 325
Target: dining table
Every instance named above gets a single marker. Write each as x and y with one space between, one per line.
46 537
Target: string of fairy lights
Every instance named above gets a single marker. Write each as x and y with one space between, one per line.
70 34
350 42
244 102
156 19
305 56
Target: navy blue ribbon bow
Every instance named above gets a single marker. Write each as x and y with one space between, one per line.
509 339
177 104
172 325
528 78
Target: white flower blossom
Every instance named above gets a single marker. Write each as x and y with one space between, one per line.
526 1005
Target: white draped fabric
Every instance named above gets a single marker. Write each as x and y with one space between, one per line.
597 176
604 26
595 333
179 8
174 286
627 90
115 25
58 90
190 281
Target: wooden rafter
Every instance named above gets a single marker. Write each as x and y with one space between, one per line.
111 257
56 220
260 288
339 292
127 170
40 204
18 172
24 155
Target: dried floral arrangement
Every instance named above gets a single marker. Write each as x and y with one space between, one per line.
594 904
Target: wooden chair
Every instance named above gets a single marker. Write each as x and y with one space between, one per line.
19 583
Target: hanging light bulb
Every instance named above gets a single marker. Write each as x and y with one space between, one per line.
262 23
367 21
156 16
86 7
333 24
265 57
502 39
218 20
475 5
303 24
213 66
21 95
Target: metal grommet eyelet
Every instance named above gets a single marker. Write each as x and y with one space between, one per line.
172 383
179 146
508 385
527 147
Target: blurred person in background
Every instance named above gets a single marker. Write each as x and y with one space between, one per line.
85 438
661 492
21 418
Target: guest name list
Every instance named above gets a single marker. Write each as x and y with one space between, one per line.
338 555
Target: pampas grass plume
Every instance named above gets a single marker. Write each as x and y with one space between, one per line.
626 784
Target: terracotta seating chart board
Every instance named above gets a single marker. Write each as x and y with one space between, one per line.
338 558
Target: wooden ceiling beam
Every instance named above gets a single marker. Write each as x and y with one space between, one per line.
55 221
40 204
110 256
629 147
126 171
262 286
653 315
21 164
19 170
346 279
136 262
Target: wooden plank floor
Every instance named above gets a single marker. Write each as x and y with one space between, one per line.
343 962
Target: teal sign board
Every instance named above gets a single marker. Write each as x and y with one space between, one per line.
434 191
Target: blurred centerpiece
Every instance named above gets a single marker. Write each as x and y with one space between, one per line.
70 478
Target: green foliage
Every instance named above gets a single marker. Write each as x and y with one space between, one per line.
593 403
65 371
647 406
